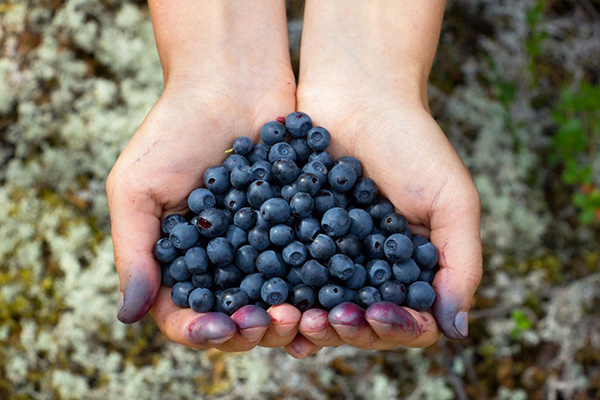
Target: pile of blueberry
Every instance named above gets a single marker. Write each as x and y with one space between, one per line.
283 222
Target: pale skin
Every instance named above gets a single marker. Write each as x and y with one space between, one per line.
363 75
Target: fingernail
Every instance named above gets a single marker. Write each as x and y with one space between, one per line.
211 329
282 329
318 335
346 330
461 323
251 316
385 316
135 302
121 301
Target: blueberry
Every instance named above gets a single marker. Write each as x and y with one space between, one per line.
309 183
201 199
276 190
295 253
318 138
406 272
303 297
261 222
196 260
361 259
427 275
361 223
420 296
380 208
398 248
259 192
234 200
393 223
342 177
331 295
282 151
220 251
212 222
298 124
336 222
233 161
285 171
364 192
272 132
301 205
169 223
275 210
294 276
393 291
201 300
318 169
425 253
288 191
367 296
350 161
180 293
251 284
341 267
378 271
244 218
373 246
242 145
204 280
314 274
241 176
184 235
274 291
348 245
271 264
342 200
301 148
164 250
233 299
227 276
260 151
307 229
280 235
259 238
216 179
262 170
236 236
245 259
322 156
166 277
322 248
358 278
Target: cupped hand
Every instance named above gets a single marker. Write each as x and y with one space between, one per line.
405 152
187 131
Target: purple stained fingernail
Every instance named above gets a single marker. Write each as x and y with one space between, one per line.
251 316
347 314
461 323
393 316
452 321
136 301
211 328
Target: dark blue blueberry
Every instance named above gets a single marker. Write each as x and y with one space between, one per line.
314 274
216 179
378 271
322 248
233 299
228 215
406 272
307 229
280 234
227 276
261 222
341 267
242 145
318 169
184 235
303 297
308 183
364 192
196 260
324 200
298 124
358 278
393 291
169 223
349 245
251 284
260 303
212 222
380 208
167 278
420 296
361 223
393 223
259 192
398 248
261 170
272 132
219 197
367 296
301 148
271 264
180 293
281 151
331 295
274 291
260 151
427 275
204 280
318 138
373 246
220 251
201 199
352 162
361 259
241 176
336 222
217 307
294 276
259 238
425 253
288 191
275 210
341 199
295 253
285 171
350 295
164 250
323 157
236 236
276 190
245 259
301 205
245 218
233 161
201 300
234 200
342 177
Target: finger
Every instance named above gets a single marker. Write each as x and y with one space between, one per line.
455 233
348 319
284 326
315 326
252 323
402 326
135 227
189 328
301 347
